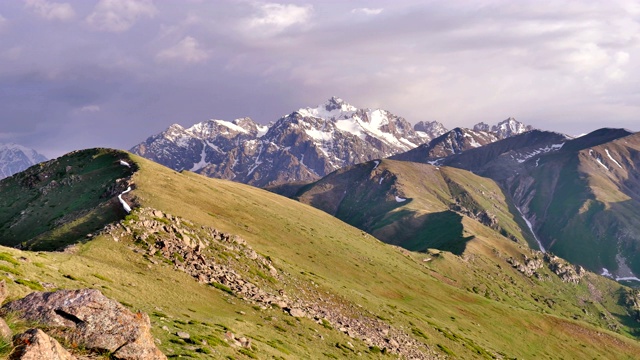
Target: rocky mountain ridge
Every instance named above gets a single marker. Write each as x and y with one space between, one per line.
15 158
307 144
165 237
302 146
459 140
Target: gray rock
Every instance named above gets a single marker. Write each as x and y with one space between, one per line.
34 344
89 318
295 312
183 335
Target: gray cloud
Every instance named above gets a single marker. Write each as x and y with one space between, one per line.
51 10
142 65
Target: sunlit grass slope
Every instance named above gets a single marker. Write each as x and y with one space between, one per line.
434 298
416 206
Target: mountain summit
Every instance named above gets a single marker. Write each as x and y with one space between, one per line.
504 129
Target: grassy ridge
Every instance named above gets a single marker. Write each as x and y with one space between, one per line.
61 201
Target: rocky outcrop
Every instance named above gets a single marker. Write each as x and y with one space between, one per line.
197 250
565 271
34 344
88 318
529 266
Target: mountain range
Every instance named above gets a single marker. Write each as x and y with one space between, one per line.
302 146
15 158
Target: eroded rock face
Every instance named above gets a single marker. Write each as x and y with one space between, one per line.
34 344
89 318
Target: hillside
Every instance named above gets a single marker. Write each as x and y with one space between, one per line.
59 201
249 274
582 200
412 205
576 194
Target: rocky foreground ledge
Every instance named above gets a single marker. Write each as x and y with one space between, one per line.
79 319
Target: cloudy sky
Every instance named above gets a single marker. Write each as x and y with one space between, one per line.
78 74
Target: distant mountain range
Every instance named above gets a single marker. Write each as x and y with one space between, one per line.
15 158
307 144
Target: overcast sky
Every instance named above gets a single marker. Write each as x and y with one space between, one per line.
79 74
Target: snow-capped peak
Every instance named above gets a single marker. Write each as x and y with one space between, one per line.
15 158
334 109
429 130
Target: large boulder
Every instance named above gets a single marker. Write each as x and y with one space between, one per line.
34 344
88 318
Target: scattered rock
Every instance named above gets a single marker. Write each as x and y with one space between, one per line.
183 335
244 342
5 331
34 344
88 318
295 312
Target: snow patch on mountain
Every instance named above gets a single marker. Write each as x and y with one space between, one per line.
202 163
530 226
612 159
230 125
125 206
528 155
598 159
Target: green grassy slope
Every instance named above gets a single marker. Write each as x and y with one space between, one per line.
397 286
470 306
366 196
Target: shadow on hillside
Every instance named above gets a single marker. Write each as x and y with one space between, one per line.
440 230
